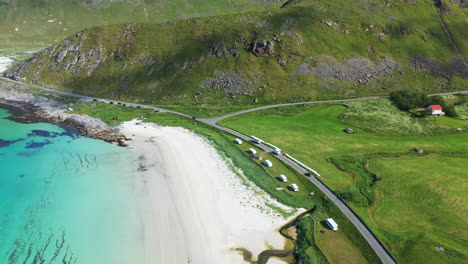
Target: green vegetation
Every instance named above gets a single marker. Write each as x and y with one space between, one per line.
425 212
381 117
208 61
25 26
318 244
314 135
308 251
254 171
409 100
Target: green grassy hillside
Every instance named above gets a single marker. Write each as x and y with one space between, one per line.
34 24
307 50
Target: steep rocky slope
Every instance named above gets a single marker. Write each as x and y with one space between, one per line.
305 50
33 24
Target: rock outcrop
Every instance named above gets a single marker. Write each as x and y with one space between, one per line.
49 109
263 48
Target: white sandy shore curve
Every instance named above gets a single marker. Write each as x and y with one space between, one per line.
199 209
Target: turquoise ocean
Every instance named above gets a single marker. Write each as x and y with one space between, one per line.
66 198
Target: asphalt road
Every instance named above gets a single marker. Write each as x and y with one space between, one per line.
384 255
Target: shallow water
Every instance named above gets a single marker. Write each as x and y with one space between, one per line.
66 198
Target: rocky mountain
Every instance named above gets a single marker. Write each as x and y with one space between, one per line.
305 50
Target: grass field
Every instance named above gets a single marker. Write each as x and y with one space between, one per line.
423 203
336 245
314 135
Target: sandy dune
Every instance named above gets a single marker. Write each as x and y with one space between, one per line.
199 209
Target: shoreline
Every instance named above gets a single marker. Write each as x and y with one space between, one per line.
47 109
209 212
233 213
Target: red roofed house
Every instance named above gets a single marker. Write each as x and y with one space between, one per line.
436 110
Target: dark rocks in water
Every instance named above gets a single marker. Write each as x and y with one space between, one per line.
262 48
21 175
121 143
33 144
349 130
6 143
43 133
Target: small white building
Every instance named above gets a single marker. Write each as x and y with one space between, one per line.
256 140
436 110
277 151
238 141
332 224
268 163
252 151
283 178
294 187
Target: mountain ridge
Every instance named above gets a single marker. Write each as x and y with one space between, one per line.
306 50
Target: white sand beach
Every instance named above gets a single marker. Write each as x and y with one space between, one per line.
199 209
4 63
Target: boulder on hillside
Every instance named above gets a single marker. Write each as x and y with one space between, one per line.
262 48
418 150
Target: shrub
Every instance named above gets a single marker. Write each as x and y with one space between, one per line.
450 111
406 100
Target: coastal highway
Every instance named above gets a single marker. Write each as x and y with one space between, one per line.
384 255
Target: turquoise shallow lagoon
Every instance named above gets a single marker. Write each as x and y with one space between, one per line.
66 198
